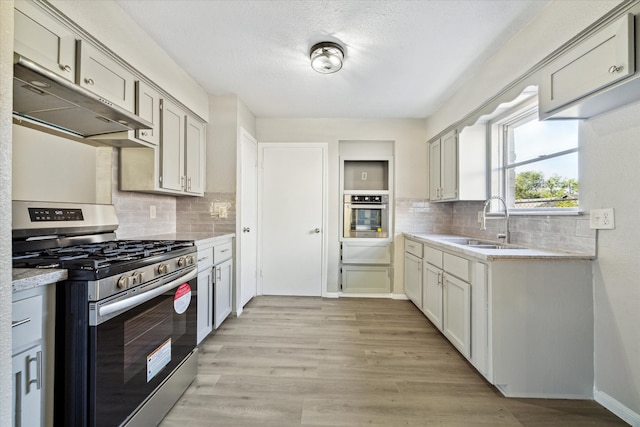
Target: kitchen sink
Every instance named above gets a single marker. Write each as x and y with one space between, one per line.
479 244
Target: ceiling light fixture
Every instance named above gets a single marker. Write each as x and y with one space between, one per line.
326 57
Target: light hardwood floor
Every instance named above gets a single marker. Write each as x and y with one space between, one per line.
292 361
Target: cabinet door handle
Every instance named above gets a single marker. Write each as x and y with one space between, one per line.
65 67
17 410
182 182
38 379
615 69
89 81
189 183
20 322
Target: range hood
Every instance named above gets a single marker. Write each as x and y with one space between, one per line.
47 98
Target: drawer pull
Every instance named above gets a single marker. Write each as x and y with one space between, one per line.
224 250
614 69
38 379
20 322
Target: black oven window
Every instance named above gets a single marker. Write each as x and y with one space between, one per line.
145 332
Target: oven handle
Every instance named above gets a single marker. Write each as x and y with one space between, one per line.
356 206
133 301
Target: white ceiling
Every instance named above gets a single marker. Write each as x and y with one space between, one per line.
402 58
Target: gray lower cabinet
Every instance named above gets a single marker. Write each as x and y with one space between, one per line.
223 275
215 280
525 324
32 357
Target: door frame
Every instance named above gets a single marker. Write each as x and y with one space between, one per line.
237 278
325 190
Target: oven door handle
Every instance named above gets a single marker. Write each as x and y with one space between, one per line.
126 304
381 206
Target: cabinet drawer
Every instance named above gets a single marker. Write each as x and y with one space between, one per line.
433 256
26 321
222 252
457 266
366 253
413 248
205 258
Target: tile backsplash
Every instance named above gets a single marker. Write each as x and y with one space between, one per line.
563 233
194 214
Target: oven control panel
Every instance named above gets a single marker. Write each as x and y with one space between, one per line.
370 199
48 214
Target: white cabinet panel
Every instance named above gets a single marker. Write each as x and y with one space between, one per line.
44 41
223 292
432 294
414 248
148 108
172 146
205 309
105 77
457 313
28 391
365 278
195 156
599 61
366 253
413 278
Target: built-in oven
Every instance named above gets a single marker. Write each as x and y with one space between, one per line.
366 216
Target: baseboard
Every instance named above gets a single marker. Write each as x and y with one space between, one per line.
626 414
364 295
400 296
331 295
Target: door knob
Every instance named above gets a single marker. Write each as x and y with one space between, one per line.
317 230
246 230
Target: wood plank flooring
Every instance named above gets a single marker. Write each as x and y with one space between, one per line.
301 361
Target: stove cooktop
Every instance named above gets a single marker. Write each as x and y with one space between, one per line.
97 260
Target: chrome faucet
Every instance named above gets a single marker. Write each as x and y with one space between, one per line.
504 235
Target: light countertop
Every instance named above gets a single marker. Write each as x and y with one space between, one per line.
28 278
516 253
200 238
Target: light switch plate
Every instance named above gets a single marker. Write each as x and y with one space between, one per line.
152 211
602 219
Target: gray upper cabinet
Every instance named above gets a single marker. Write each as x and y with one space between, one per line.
44 41
172 147
194 155
103 76
570 83
443 168
148 108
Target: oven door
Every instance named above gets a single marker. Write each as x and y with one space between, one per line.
137 342
366 221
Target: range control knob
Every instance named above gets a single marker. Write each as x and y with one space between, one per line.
163 268
190 259
182 261
123 282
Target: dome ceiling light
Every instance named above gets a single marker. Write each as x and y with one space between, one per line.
326 57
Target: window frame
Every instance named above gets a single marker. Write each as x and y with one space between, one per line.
499 129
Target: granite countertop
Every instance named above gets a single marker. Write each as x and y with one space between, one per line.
200 238
28 278
515 252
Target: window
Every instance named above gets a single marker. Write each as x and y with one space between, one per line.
535 163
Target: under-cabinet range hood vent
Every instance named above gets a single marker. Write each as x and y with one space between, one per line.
47 98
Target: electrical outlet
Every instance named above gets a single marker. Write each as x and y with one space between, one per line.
602 219
364 176
152 211
222 212
480 216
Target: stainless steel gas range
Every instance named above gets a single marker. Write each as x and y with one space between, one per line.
125 345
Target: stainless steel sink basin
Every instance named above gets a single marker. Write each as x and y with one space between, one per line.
478 244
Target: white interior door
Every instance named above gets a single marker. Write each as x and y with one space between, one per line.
247 231
292 213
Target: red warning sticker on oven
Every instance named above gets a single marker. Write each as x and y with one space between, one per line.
182 298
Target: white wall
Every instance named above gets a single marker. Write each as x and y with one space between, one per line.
6 106
609 160
51 168
410 152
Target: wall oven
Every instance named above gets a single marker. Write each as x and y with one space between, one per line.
126 318
366 216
